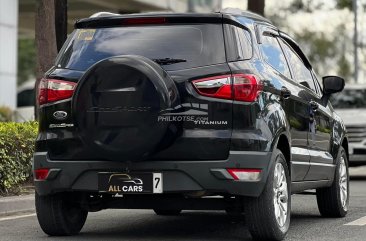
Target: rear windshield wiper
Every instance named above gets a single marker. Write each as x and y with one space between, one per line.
168 61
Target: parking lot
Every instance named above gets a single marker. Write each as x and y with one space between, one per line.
307 224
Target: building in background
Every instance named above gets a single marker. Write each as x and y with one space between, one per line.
17 20
8 52
78 9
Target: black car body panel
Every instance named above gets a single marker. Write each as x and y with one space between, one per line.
193 155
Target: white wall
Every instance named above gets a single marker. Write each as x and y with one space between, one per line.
169 5
8 52
235 4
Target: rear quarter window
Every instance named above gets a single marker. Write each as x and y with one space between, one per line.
239 43
200 45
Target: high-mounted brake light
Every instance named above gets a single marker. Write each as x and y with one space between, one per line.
240 87
41 174
245 174
137 21
51 90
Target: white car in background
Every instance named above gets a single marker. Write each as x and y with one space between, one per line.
350 104
25 102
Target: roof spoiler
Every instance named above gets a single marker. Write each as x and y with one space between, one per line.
249 14
103 14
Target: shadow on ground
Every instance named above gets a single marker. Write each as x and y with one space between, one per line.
187 226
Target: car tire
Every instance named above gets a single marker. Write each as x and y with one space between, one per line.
333 201
58 217
166 212
268 216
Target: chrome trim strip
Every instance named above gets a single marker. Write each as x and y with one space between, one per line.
321 164
301 163
313 164
56 102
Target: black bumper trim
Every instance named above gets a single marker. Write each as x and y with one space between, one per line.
179 176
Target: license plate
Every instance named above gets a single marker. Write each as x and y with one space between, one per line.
124 183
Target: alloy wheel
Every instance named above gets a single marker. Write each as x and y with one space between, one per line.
280 197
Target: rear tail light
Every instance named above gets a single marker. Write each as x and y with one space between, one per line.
41 174
216 87
246 87
245 174
51 90
240 87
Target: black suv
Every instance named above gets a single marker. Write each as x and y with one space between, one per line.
174 112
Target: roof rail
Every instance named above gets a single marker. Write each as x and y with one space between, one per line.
103 14
249 14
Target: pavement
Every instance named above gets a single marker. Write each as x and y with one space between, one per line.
306 223
357 172
16 204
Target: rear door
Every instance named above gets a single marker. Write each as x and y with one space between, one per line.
201 126
319 117
292 100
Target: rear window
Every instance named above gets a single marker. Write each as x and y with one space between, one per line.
349 99
200 45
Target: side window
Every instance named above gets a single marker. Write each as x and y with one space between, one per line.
301 73
273 55
239 43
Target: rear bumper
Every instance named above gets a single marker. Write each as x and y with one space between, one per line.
178 176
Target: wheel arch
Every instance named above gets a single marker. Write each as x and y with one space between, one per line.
283 144
345 146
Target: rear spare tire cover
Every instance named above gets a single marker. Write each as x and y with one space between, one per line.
116 107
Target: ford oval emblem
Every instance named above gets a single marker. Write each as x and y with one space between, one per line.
60 115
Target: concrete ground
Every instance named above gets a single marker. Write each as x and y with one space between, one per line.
306 223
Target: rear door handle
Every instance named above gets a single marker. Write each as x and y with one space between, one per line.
285 93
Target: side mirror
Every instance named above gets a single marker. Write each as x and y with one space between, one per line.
331 85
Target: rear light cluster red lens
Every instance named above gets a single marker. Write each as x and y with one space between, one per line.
245 174
217 87
41 174
51 90
240 87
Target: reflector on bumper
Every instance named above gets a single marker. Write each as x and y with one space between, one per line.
245 174
41 174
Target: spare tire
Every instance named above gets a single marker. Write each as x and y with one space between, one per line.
116 107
